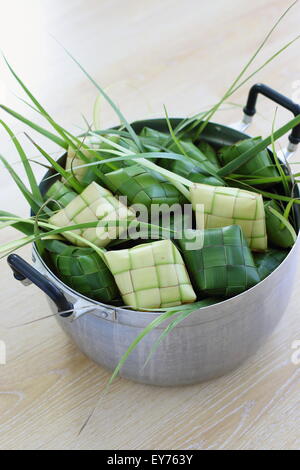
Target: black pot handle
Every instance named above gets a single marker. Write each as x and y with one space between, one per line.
23 271
278 98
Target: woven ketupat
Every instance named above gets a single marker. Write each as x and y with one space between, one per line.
267 262
151 275
151 135
142 186
225 206
60 193
224 266
191 170
195 166
260 165
93 204
278 234
192 152
83 270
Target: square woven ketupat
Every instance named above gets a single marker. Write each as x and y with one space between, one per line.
152 275
93 204
83 270
224 265
261 164
225 206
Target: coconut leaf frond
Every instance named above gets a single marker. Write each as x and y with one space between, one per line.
151 275
34 203
94 204
84 271
68 176
224 265
23 227
231 206
85 174
179 318
26 164
260 165
267 262
40 130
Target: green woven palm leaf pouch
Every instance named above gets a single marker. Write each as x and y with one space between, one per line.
192 152
260 165
151 276
278 234
94 204
224 265
142 186
61 194
191 171
267 262
84 271
196 167
222 206
153 139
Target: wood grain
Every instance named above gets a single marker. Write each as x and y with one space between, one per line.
146 54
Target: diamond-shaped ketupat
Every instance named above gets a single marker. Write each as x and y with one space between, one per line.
225 206
143 186
151 275
223 266
260 165
279 234
83 270
93 204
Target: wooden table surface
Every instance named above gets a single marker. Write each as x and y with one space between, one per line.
145 54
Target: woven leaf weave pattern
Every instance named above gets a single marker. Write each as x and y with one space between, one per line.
193 171
60 193
151 275
93 204
231 206
142 186
224 266
260 165
278 234
84 271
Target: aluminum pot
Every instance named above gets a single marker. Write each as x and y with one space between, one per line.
211 342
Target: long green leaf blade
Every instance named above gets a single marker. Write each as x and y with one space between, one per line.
71 180
30 175
57 140
246 156
26 193
108 99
